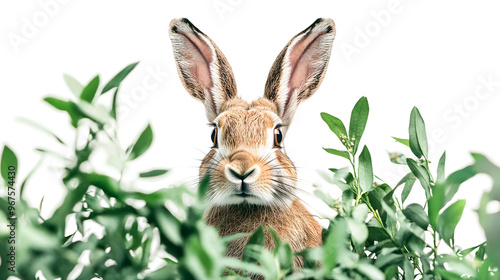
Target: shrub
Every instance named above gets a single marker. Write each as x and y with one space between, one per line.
375 236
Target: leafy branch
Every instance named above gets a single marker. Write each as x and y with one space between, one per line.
162 234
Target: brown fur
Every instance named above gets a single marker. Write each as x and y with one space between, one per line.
253 182
197 76
294 225
310 47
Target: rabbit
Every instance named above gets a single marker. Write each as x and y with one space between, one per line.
252 180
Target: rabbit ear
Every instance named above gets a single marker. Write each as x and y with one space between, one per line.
300 67
202 67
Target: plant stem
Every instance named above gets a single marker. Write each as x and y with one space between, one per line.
434 250
426 162
356 181
379 219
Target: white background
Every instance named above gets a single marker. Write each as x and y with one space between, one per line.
400 54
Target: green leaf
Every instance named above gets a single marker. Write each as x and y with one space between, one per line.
405 142
96 113
169 226
203 187
365 170
159 197
67 106
275 236
110 186
324 197
404 179
409 180
335 125
343 154
269 262
238 264
385 260
357 226
79 221
211 241
153 173
488 218
467 251
409 234
418 136
359 232
334 246
342 178
75 86
389 197
391 272
57 103
115 82
415 213
376 197
88 93
370 271
391 219
409 270
456 179
376 232
422 175
41 128
72 198
27 177
489 223
436 203
448 220
8 164
359 117
455 268
196 260
146 255
142 144
440 171
360 213
114 104
257 238
285 256
397 158
481 252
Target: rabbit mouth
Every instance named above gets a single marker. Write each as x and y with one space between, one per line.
243 194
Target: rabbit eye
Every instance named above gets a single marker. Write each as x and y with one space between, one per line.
278 137
214 137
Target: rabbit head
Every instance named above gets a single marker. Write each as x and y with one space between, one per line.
247 163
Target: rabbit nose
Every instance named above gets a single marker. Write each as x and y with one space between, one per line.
248 176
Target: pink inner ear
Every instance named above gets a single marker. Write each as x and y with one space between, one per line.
200 55
302 60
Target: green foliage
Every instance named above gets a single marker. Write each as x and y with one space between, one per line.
8 159
365 170
359 117
89 92
116 80
397 244
142 144
153 173
73 84
375 236
418 136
